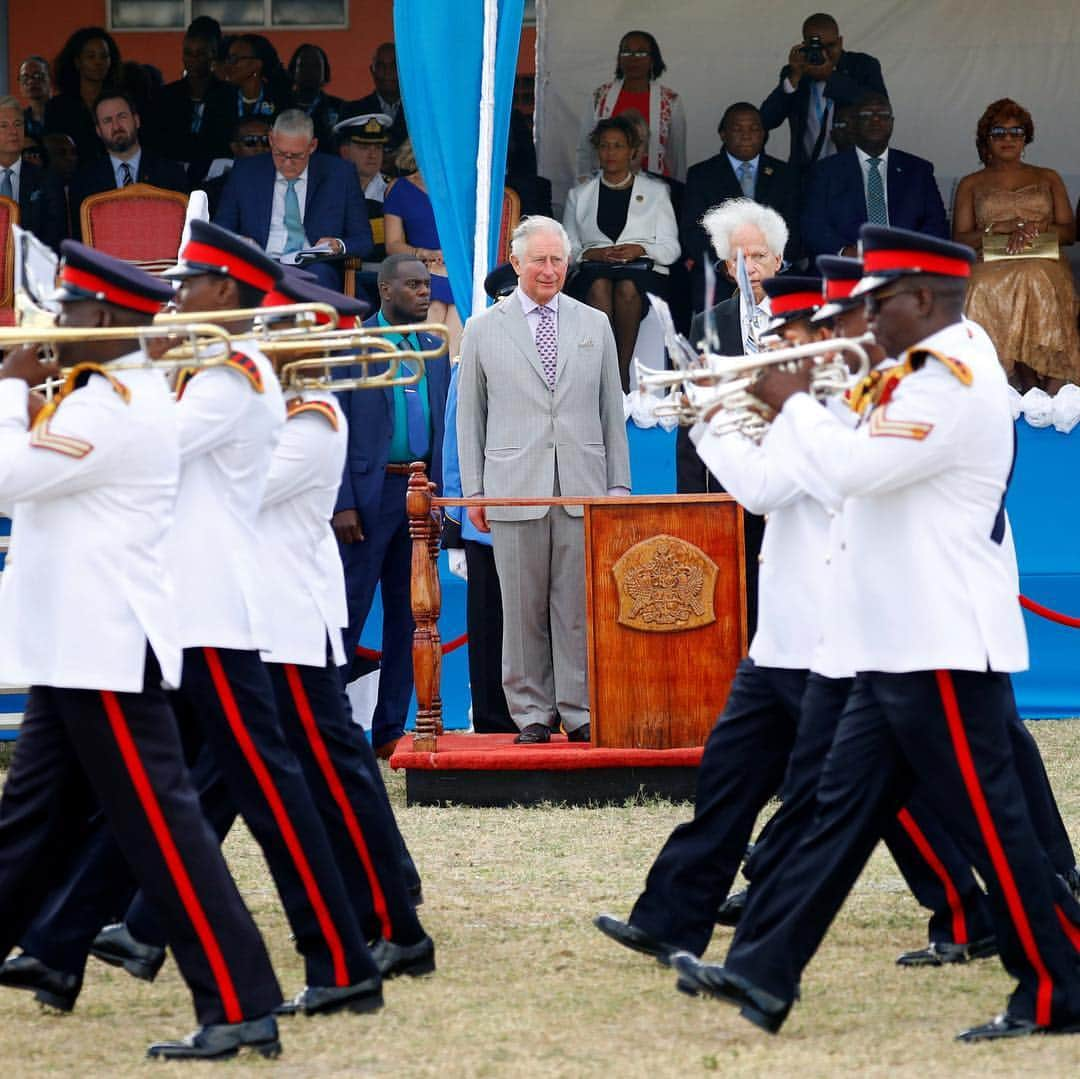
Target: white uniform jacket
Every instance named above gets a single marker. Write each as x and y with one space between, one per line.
650 221
86 583
792 584
229 424
306 586
923 478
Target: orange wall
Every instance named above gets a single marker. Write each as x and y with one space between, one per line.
350 51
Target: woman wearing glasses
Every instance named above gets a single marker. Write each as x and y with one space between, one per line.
638 67
252 66
1026 304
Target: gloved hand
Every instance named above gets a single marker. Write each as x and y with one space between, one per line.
456 558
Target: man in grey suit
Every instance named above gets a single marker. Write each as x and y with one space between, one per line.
540 413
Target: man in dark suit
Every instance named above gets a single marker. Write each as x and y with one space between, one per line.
741 169
818 78
386 97
871 182
39 195
388 429
126 161
760 233
293 198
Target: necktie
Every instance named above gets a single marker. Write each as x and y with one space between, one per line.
877 212
750 345
547 344
814 117
5 185
126 179
746 179
294 227
415 420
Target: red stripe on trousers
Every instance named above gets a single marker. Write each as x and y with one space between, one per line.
333 781
1072 931
993 845
922 844
277 808
173 862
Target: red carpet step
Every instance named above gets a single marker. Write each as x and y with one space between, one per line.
489 770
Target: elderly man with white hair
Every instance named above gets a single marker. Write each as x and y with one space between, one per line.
293 198
761 234
540 414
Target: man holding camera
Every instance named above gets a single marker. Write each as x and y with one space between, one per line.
819 78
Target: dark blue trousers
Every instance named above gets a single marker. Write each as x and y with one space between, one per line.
384 559
78 749
743 765
946 732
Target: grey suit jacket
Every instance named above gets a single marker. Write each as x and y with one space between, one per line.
513 430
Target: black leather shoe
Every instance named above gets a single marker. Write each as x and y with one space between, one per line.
117 947
534 734
413 959
731 910
56 988
364 996
760 1007
637 940
1002 1026
941 953
222 1040
581 734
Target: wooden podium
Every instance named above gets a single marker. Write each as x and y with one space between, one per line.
666 608
666 595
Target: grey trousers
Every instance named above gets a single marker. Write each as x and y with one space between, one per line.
541 566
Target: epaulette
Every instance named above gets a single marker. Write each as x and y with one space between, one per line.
876 388
957 367
298 405
76 378
183 377
248 368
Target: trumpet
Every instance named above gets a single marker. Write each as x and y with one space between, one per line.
718 389
267 320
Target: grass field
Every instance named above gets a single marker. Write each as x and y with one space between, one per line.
526 987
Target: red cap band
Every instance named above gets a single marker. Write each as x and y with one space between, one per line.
122 297
840 289
233 264
794 301
885 261
276 299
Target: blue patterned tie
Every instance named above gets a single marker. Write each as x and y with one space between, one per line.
294 227
746 179
415 421
876 211
6 189
547 344
126 179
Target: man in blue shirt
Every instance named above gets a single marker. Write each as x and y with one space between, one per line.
388 429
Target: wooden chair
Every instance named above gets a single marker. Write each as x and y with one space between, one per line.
9 215
139 223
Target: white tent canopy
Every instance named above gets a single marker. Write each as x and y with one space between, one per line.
944 61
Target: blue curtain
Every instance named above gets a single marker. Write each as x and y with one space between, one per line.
440 53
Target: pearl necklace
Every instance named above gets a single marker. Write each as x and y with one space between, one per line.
621 185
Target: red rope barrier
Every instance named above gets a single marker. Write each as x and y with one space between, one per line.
1048 614
447 648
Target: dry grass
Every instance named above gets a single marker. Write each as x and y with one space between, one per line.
526 986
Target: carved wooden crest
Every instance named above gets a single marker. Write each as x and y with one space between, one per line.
665 584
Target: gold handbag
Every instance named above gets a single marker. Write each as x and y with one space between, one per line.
1044 246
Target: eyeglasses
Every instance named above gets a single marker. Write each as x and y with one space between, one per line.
302 156
637 54
33 76
873 115
1013 132
256 140
875 300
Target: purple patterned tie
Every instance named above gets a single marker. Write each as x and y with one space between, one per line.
547 344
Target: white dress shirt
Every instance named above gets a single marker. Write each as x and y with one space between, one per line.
277 237
532 311
736 164
131 162
765 307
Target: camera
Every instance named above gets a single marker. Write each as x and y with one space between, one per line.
813 50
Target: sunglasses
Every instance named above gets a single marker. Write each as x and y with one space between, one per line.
254 140
1002 132
637 54
876 300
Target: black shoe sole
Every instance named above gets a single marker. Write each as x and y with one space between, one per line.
55 1000
137 968
268 1049
413 968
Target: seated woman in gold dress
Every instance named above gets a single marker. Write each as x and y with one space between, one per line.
1027 305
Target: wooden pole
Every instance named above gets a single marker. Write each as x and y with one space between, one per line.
425 529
